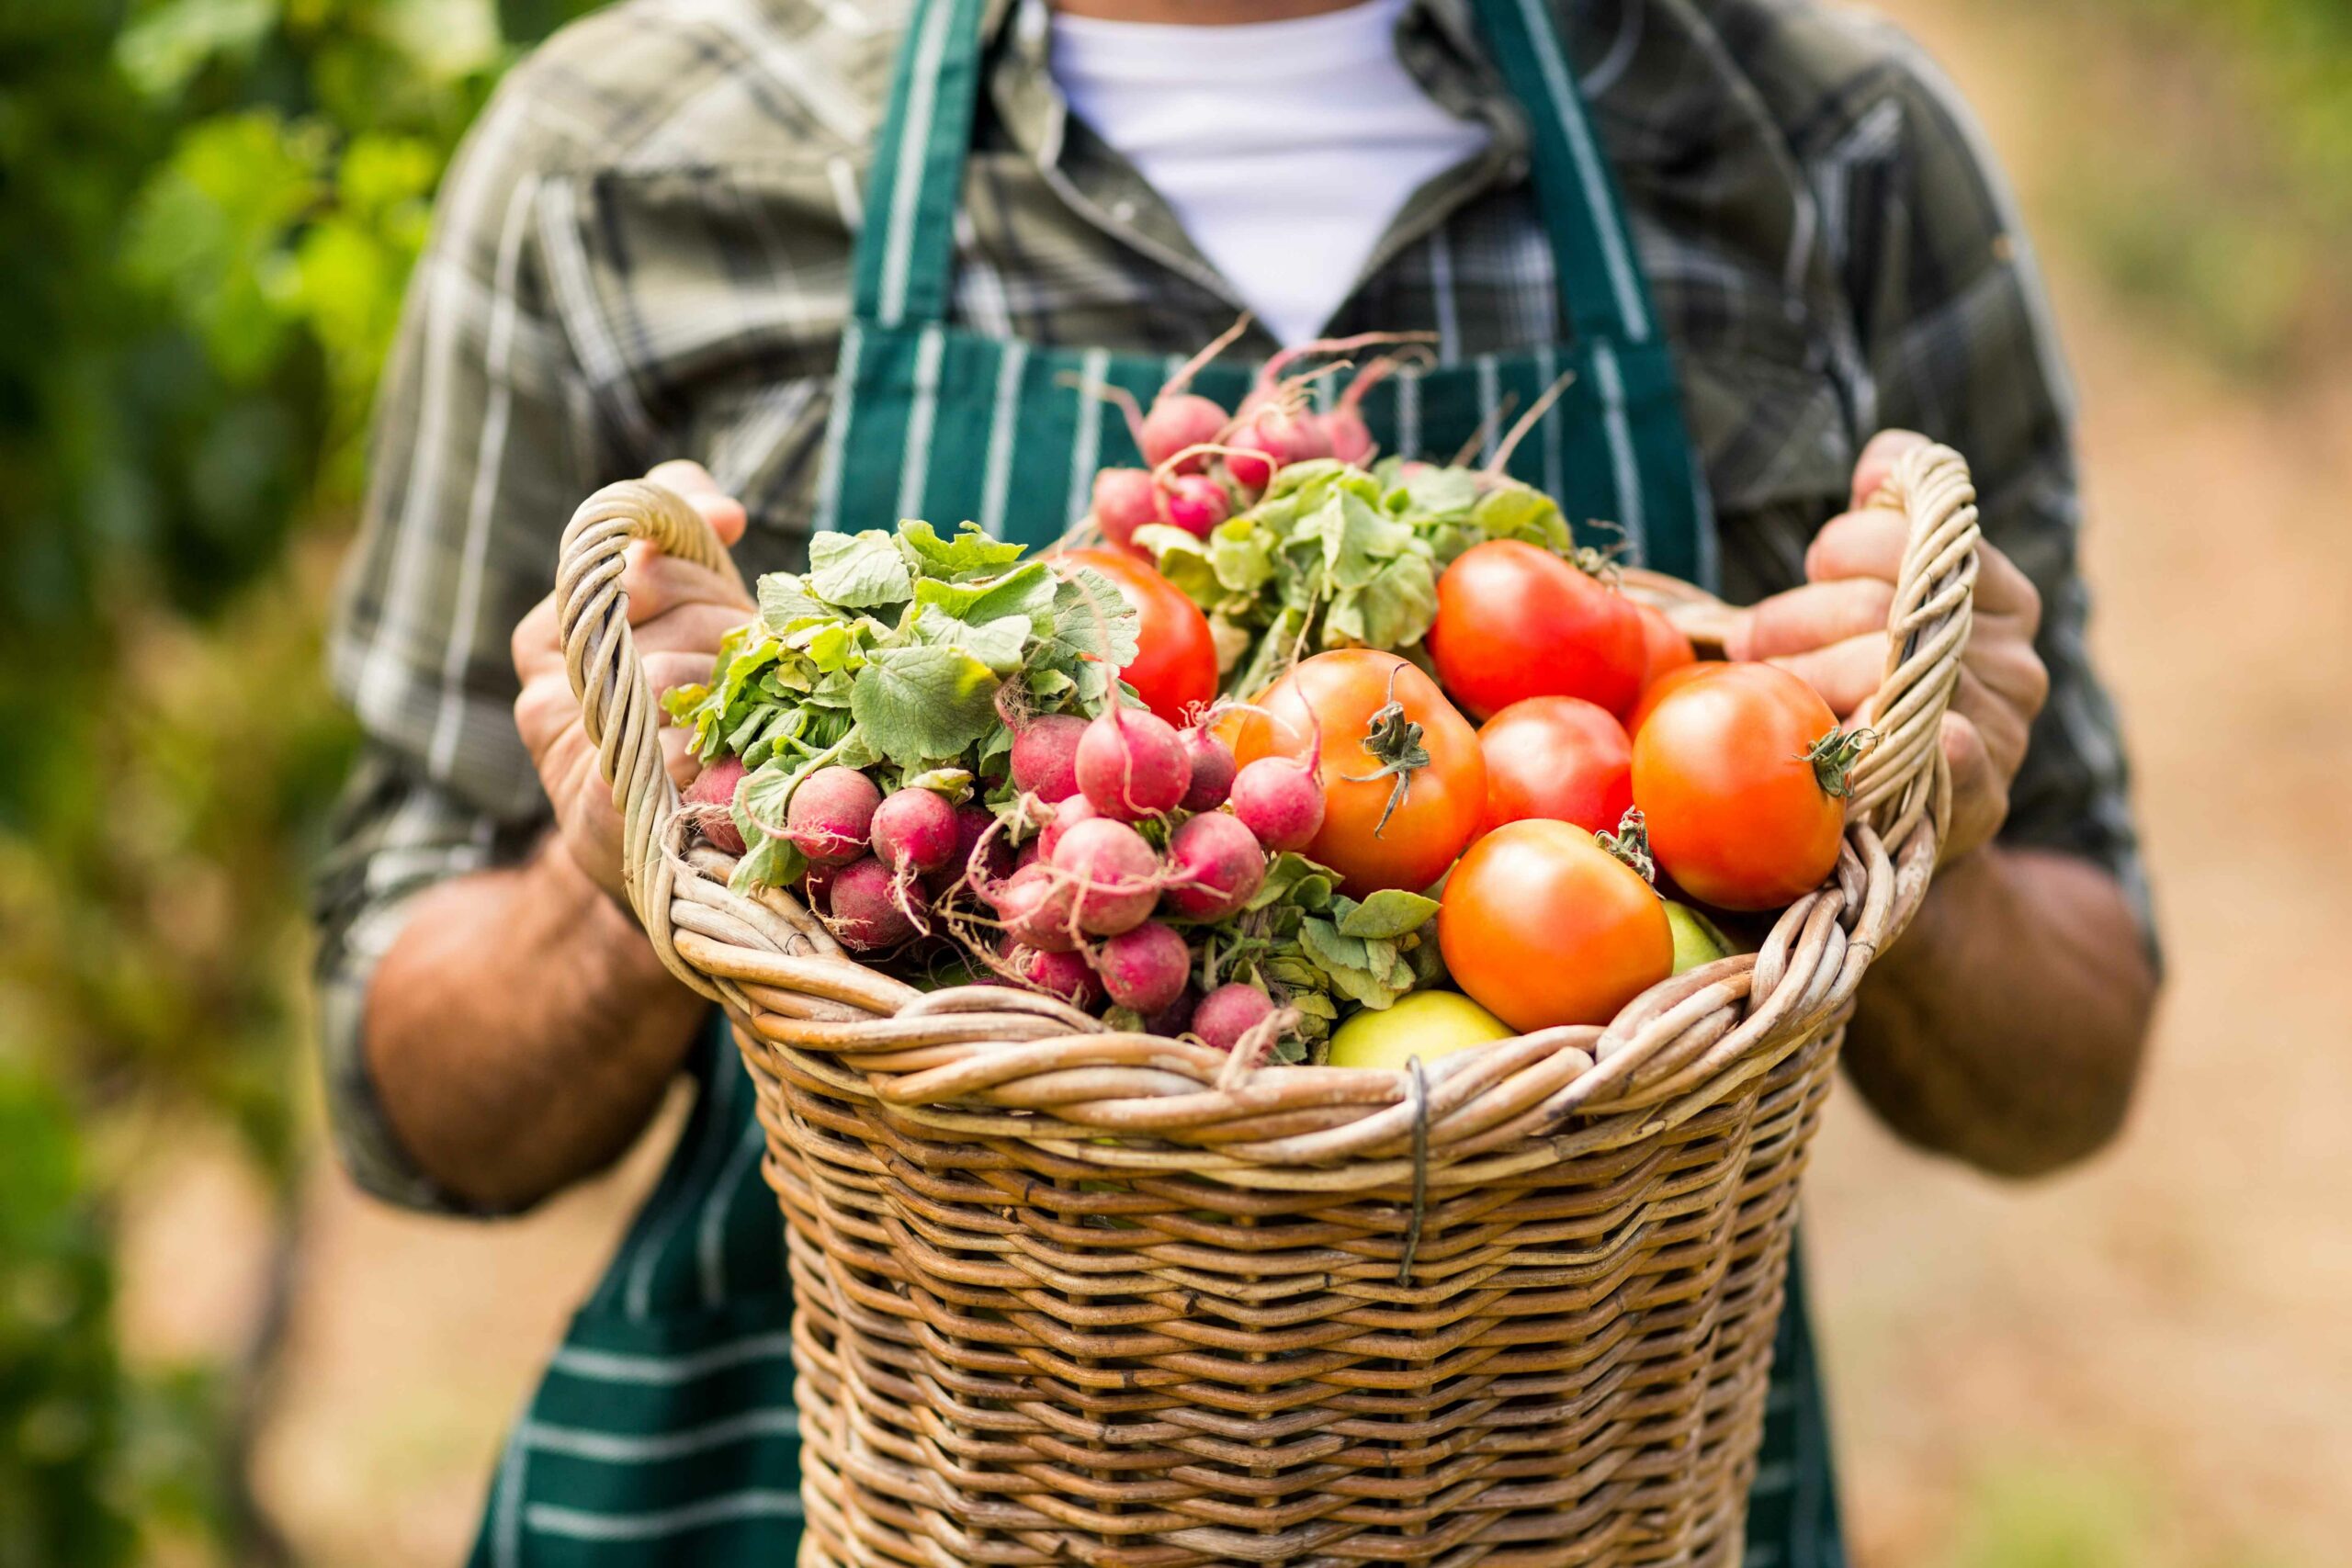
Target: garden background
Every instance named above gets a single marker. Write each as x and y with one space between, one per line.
212 1351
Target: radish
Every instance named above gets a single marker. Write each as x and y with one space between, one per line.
715 786
867 912
1280 801
1068 814
1044 755
1195 503
1145 968
1111 872
1214 866
1124 500
1177 1016
831 814
1035 905
1132 766
1211 763
1031 852
1064 975
1284 437
1179 420
1230 1011
981 867
914 830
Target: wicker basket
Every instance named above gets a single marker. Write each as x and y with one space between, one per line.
1068 1295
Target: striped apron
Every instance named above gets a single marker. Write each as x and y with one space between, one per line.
664 1431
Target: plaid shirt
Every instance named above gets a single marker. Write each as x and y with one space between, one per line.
643 253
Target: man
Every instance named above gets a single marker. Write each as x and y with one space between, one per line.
644 260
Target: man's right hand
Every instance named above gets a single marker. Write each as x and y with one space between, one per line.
677 614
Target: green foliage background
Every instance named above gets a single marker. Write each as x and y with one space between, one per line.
208 210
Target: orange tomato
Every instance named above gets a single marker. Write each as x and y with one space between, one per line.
1397 808
1174 669
1656 692
1731 772
1558 757
1664 645
1542 927
1515 621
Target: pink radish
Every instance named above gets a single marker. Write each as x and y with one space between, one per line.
1280 801
1132 766
982 867
868 913
1112 873
715 786
817 888
1064 975
914 830
1215 868
1044 755
1195 503
832 815
1034 850
1035 905
1177 421
1230 1011
1124 500
1068 814
1210 779
1145 968
1284 437
1348 436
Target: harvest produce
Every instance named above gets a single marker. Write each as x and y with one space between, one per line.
1428 1024
1239 794
1544 927
1741 774
1558 757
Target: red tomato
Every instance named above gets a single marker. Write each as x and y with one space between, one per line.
1515 621
1664 646
1542 926
1561 758
1656 692
1175 663
1740 814
1382 826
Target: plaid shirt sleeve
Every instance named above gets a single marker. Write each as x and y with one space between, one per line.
1954 334
486 438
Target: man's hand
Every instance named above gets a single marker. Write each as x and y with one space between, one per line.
677 614
1833 633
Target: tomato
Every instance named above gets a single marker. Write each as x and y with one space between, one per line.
1428 1024
1397 806
1655 693
1664 648
1558 757
1515 621
1175 662
1741 815
1542 926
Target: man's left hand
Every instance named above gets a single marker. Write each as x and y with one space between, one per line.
1832 632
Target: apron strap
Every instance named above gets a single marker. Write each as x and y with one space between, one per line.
908 249
1602 290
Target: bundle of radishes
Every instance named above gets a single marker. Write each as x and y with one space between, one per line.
1124 839
1206 463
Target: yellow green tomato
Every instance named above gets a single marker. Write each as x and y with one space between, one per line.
1697 939
1427 1024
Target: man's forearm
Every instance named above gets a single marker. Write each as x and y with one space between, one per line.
520 1031
2005 1026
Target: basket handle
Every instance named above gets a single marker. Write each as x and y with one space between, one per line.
1904 776
617 704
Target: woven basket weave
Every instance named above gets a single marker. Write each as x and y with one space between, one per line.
1073 1296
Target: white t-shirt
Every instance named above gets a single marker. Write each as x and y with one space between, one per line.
1284 148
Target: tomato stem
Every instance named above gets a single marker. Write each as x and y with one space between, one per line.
1631 844
1395 742
1833 755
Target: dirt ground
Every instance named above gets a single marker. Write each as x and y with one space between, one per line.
2146 1362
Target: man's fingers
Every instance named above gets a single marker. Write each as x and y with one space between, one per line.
1878 460
657 583
665 672
696 629
1867 542
692 481
1845 673
2004 589
1813 616
1980 794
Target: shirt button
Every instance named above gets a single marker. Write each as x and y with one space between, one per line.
1123 209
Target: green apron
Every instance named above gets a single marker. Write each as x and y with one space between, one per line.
665 1430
